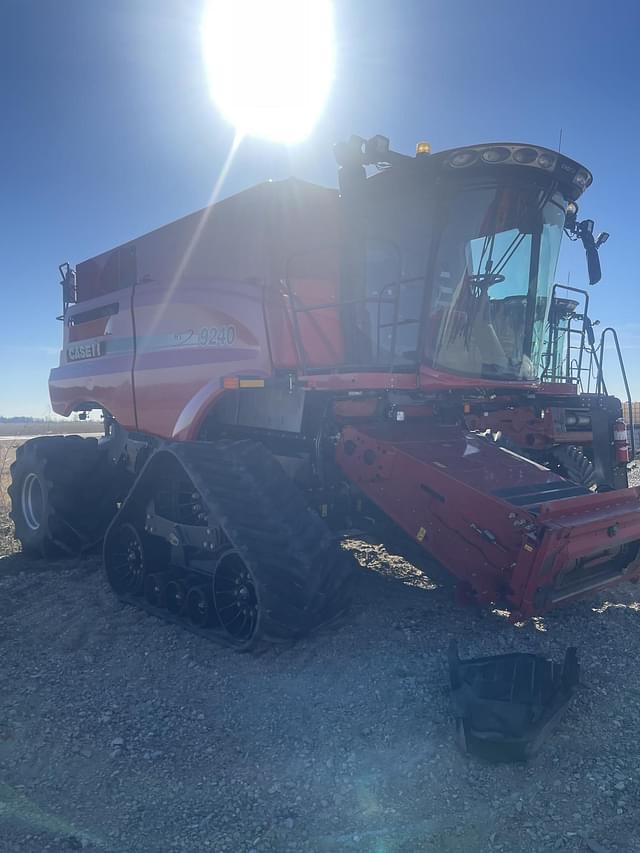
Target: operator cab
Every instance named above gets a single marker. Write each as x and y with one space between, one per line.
449 258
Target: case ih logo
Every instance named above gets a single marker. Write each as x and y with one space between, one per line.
81 351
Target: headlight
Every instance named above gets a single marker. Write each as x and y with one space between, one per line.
463 158
525 155
496 155
582 178
577 420
546 160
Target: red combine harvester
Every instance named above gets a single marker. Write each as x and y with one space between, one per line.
294 364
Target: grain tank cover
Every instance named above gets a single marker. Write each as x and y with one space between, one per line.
246 236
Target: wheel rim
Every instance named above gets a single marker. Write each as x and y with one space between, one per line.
235 598
32 501
124 560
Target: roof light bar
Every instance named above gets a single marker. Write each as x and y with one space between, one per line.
520 155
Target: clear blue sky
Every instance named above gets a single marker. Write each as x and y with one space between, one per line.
107 130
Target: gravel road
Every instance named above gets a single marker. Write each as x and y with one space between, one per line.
120 733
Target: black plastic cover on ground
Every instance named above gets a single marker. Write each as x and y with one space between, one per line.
507 705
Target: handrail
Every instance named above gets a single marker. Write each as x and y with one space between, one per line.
547 357
600 383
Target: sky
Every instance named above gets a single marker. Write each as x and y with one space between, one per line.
107 130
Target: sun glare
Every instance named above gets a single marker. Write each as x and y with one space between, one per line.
270 64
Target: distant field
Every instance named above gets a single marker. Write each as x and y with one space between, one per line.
50 428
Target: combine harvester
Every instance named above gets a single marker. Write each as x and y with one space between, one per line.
295 364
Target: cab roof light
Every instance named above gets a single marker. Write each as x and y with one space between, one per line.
521 155
525 155
463 158
582 178
423 148
547 160
497 154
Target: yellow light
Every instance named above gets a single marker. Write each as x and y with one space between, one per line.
270 64
423 148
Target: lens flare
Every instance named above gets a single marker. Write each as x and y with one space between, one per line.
270 64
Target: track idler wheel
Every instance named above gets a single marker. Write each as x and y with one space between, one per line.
125 560
199 607
236 599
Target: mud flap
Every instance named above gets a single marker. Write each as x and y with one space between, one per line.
506 706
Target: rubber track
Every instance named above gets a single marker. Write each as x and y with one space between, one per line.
302 574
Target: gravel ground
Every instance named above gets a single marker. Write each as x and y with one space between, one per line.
121 733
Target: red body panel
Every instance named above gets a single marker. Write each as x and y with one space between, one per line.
105 379
449 491
182 354
524 426
209 301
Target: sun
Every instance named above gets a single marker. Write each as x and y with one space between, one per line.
270 64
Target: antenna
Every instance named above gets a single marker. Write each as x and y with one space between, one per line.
560 142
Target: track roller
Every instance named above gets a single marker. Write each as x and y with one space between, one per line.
155 588
199 607
176 595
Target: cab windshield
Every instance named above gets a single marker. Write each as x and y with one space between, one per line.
492 277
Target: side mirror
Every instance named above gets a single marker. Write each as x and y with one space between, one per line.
585 231
593 264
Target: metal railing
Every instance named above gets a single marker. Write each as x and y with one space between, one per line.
601 387
567 366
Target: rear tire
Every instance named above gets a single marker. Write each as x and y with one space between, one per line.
571 463
61 502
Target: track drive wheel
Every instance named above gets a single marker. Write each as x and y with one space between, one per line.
60 495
